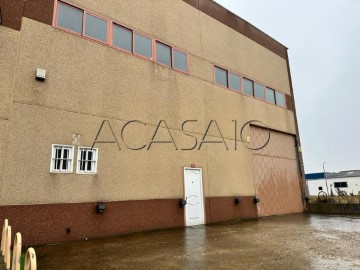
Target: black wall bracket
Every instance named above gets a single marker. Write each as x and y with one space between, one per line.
182 203
100 208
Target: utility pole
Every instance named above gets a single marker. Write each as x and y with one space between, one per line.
327 189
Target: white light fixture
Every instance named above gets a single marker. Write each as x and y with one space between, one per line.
40 74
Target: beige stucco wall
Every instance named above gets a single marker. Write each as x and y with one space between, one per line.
3 139
240 54
8 51
88 82
183 26
90 78
122 174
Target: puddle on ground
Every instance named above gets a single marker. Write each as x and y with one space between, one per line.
298 241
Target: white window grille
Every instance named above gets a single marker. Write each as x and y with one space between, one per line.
87 160
62 158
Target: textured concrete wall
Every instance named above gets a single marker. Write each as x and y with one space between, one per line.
179 24
122 175
88 82
3 139
83 75
8 51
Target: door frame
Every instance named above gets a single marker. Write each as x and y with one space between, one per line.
201 193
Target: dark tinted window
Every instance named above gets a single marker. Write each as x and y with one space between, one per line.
90 157
57 159
280 99
69 17
82 161
163 54
320 188
259 91
65 157
270 95
180 61
341 184
221 76
96 27
234 82
248 87
143 45
122 38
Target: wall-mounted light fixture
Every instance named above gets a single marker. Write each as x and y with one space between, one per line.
256 200
237 200
100 208
40 74
182 203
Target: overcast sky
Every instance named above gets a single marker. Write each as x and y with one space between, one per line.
323 37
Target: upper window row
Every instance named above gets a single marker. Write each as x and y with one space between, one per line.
98 28
235 82
89 25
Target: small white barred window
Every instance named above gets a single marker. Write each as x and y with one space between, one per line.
62 157
87 160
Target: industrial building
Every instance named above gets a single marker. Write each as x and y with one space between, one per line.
331 183
121 116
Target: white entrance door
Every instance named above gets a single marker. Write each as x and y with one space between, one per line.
194 209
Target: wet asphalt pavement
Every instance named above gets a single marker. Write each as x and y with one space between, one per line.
298 241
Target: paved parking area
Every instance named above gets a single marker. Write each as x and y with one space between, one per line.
298 241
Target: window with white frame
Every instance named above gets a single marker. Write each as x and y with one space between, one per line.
62 157
87 160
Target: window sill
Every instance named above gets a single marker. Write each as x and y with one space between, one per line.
86 173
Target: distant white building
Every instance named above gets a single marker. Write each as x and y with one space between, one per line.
348 181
